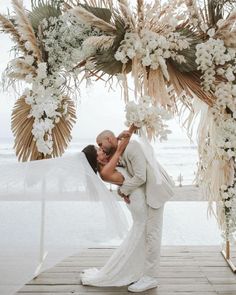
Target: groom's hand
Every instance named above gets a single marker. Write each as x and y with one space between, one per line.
126 198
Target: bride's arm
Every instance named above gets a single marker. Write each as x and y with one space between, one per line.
109 172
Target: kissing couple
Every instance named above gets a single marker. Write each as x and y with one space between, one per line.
145 187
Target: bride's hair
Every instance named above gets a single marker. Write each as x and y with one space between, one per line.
91 155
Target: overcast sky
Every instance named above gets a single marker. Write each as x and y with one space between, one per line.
99 108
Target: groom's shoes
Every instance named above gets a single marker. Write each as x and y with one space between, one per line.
143 284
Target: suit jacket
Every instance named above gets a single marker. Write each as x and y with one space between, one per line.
143 174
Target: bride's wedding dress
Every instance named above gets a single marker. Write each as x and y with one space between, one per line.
126 264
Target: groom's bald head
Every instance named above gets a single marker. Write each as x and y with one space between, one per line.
107 141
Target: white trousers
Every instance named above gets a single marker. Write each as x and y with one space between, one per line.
154 225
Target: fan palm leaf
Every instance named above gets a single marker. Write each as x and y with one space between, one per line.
105 59
102 13
21 124
190 83
43 9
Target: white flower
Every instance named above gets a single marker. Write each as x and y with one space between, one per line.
131 53
146 61
225 196
229 75
29 59
28 46
59 81
144 114
42 70
228 204
211 32
119 55
204 27
29 78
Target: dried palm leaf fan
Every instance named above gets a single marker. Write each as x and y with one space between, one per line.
43 9
22 125
104 59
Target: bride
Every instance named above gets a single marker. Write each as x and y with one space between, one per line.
126 265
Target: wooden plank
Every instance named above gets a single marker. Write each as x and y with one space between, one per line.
70 288
185 270
220 280
225 287
150 292
187 288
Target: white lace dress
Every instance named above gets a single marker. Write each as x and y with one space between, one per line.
126 264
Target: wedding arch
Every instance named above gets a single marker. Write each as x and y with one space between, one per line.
181 55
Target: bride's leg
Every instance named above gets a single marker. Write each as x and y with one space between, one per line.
126 264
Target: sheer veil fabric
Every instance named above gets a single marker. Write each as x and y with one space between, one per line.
57 207
79 212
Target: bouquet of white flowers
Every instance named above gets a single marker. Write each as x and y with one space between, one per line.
144 114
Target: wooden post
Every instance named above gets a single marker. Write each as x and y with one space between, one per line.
227 255
42 253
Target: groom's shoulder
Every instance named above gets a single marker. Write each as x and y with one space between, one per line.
133 144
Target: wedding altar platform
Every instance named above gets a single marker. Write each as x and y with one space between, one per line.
185 270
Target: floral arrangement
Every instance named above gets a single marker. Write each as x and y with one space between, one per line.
216 60
145 115
153 49
228 205
178 52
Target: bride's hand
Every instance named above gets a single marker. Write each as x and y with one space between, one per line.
124 134
122 145
127 133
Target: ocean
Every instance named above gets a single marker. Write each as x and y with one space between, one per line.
177 156
185 223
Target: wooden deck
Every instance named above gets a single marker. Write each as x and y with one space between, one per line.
185 270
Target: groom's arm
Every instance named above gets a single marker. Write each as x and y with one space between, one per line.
138 161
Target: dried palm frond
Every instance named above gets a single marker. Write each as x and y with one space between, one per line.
190 53
105 60
92 20
97 3
227 32
42 9
140 11
25 146
25 28
99 42
214 10
190 83
16 76
100 12
157 88
126 13
8 27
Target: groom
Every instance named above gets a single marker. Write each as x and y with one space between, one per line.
141 173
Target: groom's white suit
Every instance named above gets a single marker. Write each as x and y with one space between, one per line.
143 174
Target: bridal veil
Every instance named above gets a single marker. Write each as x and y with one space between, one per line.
50 209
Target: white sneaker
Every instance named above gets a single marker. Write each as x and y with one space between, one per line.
143 284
